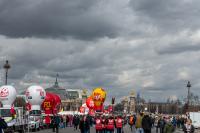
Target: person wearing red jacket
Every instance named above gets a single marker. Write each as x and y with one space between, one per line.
110 125
98 126
103 124
119 124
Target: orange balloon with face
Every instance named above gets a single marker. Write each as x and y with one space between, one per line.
98 96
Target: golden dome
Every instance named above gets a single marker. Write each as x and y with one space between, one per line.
132 93
84 91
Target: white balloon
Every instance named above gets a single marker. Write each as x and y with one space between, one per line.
35 95
7 95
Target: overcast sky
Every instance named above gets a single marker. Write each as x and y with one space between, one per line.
151 46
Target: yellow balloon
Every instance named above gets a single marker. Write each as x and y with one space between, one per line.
98 96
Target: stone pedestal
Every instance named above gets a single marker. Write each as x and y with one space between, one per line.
132 104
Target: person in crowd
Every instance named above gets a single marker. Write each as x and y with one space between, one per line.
98 124
138 123
67 120
48 120
110 125
70 120
89 119
152 120
156 123
84 125
182 121
76 121
103 124
61 125
161 124
64 121
169 127
174 121
178 122
125 120
3 125
188 127
55 123
132 120
119 124
146 123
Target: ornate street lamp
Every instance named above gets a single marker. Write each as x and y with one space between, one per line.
188 95
6 67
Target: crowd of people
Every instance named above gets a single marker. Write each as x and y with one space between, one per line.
138 123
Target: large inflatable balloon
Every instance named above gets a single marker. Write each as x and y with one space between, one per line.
49 103
7 95
90 103
35 95
57 105
99 108
98 96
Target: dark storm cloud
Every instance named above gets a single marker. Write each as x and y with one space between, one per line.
55 18
154 49
168 15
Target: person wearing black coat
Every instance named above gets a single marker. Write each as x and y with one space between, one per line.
3 125
146 124
161 124
76 121
84 125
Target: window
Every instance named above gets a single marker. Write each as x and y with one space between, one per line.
35 112
5 113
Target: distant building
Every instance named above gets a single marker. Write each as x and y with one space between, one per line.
132 102
129 103
56 89
74 99
164 108
71 99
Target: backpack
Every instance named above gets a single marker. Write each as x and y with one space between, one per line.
131 120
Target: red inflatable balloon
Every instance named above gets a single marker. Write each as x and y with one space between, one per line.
57 105
99 108
48 103
28 106
82 110
90 103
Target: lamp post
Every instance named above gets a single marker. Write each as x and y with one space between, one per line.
6 67
188 95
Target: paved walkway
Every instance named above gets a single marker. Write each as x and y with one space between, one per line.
126 130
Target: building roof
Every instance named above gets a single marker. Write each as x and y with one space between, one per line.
56 89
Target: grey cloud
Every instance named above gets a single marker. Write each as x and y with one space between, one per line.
50 18
179 47
74 39
169 16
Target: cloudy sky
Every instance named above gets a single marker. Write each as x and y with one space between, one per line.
151 46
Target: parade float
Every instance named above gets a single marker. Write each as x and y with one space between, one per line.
51 105
13 116
99 97
94 103
35 95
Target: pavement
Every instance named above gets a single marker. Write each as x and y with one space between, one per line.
126 130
